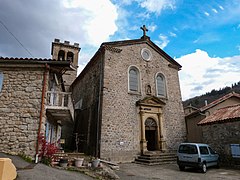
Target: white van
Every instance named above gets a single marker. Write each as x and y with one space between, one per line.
196 155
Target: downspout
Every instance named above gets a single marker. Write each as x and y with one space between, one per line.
42 108
97 153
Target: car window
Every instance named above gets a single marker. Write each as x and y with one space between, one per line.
211 150
188 149
203 150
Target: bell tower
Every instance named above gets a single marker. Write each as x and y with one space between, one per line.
66 52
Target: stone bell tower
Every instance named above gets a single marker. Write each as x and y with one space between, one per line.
66 52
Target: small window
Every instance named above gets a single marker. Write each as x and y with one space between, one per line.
203 150
1 81
134 79
161 86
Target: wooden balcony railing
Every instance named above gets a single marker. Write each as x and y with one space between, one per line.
59 99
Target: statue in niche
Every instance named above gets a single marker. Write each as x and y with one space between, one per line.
148 90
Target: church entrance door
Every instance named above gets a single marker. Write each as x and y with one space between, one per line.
151 139
150 134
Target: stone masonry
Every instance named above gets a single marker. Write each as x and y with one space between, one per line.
120 119
20 109
220 136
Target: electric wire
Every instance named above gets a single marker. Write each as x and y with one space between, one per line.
16 38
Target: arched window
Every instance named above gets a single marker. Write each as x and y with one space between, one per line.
61 55
133 79
161 85
70 56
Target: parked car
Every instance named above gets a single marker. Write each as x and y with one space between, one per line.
196 155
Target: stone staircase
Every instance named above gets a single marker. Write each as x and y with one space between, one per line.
156 158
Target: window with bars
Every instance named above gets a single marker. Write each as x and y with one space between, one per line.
134 79
161 86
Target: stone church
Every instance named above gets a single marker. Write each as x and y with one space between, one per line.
127 101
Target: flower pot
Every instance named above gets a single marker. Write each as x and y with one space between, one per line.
63 162
95 163
79 162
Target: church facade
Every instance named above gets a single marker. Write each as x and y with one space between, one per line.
127 101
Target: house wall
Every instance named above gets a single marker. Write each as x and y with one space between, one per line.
85 93
228 102
220 136
194 132
120 117
20 109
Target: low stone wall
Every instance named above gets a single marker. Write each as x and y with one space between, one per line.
220 137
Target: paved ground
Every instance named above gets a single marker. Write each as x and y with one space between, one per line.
128 171
131 171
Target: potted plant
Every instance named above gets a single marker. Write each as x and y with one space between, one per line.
63 162
78 161
95 162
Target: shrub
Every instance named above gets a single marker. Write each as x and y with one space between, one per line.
47 150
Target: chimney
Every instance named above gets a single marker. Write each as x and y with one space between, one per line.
206 102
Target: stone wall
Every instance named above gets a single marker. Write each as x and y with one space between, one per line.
120 119
20 109
220 136
85 94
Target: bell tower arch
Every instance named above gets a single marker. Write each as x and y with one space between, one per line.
64 51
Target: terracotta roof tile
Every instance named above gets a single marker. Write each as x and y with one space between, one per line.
227 96
226 114
26 59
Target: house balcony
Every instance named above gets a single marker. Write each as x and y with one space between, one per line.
59 107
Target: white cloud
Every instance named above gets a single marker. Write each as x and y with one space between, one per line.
99 21
173 34
152 27
221 7
156 6
201 73
214 10
163 42
206 13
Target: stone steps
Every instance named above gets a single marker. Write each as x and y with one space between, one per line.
156 159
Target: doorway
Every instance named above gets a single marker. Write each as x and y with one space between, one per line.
151 139
150 134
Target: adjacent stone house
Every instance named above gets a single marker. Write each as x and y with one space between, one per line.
34 100
193 115
127 101
222 131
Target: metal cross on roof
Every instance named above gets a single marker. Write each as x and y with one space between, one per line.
144 30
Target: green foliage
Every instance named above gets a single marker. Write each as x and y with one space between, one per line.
25 157
46 160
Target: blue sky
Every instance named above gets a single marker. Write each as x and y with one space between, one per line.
203 36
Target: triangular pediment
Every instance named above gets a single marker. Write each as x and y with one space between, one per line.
150 101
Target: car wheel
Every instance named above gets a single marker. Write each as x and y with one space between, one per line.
181 168
204 168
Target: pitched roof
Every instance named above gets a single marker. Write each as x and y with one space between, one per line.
214 103
226 114
144 39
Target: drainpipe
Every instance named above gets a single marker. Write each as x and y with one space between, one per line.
42 108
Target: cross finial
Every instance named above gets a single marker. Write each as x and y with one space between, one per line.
144 30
